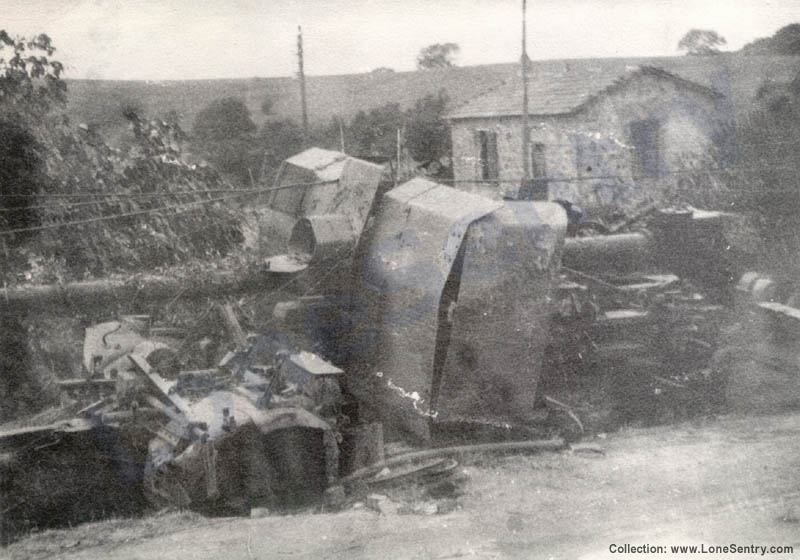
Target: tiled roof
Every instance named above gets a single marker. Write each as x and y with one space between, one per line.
557 94
558 87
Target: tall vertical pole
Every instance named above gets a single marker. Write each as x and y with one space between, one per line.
341 135
398 154
302 77
526 135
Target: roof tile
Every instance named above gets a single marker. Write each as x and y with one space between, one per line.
558 87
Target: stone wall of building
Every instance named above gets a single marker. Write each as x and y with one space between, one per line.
598 157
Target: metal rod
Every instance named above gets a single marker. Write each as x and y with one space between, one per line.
342 147
302 77
554 444
398 150
526 172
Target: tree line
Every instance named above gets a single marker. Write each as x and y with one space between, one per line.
225 134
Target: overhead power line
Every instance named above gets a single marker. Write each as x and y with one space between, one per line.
113 216
165 193
118 194
68 206
152 210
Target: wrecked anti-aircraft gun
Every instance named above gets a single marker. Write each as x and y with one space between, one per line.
449 311
428 308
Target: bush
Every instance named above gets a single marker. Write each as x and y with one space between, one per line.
223 133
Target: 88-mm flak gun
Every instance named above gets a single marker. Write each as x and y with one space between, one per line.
433 310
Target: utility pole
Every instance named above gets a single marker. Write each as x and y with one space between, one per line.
341 135
526 134
301 75
398 154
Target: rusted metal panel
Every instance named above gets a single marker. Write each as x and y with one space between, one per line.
326 164
352 197
308 166
325 245
416 238
500 321
347 190
322 238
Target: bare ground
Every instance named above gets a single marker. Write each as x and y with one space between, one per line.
728 480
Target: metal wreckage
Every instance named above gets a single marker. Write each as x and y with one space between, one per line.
437 312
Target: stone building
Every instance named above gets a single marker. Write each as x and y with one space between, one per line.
597 139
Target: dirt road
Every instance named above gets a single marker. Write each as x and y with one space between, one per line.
732 480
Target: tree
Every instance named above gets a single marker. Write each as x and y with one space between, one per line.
785 41
439 55
277 141
30 82
223 132
761 174
30 86
223 119
427 132
267 105
701 42
375 132
20 174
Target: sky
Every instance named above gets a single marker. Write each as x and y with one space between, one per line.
198 39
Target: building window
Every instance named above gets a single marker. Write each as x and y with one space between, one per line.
536 187
487 141
538 160
645 136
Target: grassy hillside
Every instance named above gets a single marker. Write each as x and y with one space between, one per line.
101 102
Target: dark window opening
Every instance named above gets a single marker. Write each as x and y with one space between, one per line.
538 161
488 155
645 136
536 188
